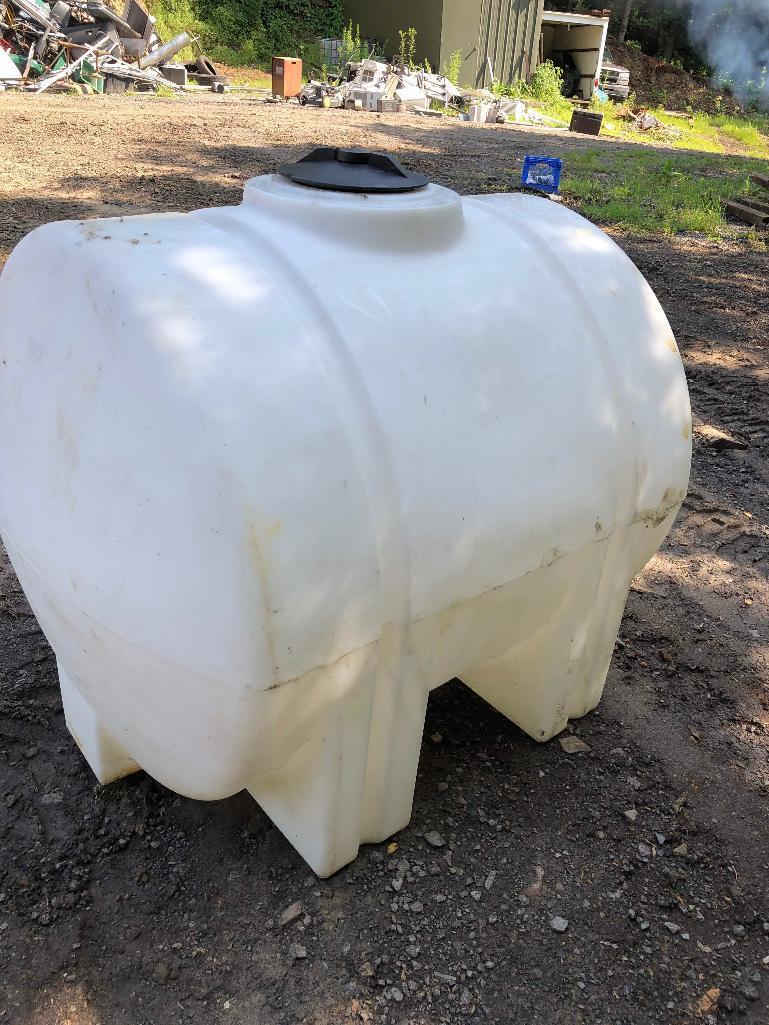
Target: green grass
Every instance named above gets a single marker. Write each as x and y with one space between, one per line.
165 92
699 133
702 133
752 134
560 109
647 191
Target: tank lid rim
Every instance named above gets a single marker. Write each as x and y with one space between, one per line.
352 170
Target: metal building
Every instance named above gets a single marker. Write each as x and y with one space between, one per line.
508 39
497 38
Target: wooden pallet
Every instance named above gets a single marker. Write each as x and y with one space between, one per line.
746 212
749 210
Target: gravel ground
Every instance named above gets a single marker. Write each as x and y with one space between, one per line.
623 883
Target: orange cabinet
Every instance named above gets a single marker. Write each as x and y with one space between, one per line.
286 76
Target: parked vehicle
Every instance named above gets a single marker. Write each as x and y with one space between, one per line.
615 80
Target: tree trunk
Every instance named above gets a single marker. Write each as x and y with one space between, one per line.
670 43
622 30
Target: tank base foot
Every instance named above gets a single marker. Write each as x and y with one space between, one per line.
529 686
351 778
315 799
559 672
107 758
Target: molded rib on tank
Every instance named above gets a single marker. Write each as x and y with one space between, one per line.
353 781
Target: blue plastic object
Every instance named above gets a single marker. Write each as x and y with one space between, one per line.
543 173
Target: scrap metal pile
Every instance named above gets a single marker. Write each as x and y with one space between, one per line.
89 45
387 88
642 121
374 85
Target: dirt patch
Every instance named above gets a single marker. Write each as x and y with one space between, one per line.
110 155
623 884
255 78
659 83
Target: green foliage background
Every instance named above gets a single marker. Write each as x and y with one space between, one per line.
251 31
658 26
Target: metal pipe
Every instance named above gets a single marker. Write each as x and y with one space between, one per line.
29 60
166 51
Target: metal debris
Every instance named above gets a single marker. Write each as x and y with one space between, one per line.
641 120
86 45
389 88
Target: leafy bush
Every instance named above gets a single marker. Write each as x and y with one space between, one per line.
251 31
453 67
352 49
544 88
546 84
407 50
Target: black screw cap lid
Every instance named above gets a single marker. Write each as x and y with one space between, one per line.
352 170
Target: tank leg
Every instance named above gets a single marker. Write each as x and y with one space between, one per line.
530 685
315 798
397 725
559 671
108 759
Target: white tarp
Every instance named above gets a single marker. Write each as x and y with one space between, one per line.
7 68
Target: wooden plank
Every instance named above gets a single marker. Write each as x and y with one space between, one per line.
761 180
755 204
715 438
744 213
391 84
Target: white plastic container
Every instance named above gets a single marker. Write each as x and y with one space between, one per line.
270 473
369 96
8 69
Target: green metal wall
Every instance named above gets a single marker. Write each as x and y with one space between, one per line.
459 31
503 32
381 20
508 39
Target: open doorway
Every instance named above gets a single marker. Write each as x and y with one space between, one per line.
574 43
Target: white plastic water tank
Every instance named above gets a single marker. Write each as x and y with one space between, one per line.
270 473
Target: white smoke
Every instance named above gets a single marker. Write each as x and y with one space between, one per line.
734 37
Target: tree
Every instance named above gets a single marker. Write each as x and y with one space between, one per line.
624 19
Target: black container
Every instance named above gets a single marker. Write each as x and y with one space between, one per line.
586 122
